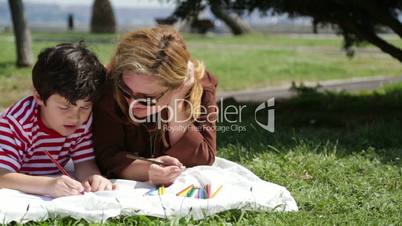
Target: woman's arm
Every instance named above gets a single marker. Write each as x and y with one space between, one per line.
144 171
195 143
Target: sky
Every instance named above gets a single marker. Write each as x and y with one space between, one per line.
115 3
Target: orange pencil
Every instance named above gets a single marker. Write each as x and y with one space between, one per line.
216 192
184 191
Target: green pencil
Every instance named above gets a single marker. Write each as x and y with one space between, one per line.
191 192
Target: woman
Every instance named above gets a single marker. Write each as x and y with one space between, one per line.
158 103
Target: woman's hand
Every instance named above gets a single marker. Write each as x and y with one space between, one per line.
165 175
181 91
181 118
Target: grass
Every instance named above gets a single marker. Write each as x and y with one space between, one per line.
339 154
239 62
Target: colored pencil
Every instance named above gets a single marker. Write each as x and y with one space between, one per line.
201 193
150 191
184 191
217 191
131 156
161 190
60 167
195 193
208 190
191 192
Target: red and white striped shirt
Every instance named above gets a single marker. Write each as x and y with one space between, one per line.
24 137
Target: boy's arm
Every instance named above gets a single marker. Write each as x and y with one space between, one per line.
10 163
29 184
39 185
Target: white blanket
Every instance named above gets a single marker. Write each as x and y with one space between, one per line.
241 189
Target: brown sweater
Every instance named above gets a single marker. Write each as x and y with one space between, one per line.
114 136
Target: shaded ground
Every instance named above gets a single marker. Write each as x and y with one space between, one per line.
348 122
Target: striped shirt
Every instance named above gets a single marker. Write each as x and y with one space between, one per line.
24 138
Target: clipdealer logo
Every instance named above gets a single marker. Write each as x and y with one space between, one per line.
267 106
231 115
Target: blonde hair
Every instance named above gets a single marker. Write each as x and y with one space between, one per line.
161 52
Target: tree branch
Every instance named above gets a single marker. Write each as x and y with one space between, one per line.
373 38
383 16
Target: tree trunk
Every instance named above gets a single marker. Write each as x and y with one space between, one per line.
315 26
233 21
103 20
22 34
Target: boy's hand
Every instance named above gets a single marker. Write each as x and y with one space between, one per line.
64 186
95 183
165 175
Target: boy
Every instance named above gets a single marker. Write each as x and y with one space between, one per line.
55 120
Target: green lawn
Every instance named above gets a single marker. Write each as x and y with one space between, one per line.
338 154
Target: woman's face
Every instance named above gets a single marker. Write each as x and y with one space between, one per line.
144 94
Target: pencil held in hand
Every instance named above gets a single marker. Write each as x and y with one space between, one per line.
59 167
135 157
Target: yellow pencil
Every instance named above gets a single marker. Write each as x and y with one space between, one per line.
216 192
162 190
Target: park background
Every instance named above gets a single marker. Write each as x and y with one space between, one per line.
338 152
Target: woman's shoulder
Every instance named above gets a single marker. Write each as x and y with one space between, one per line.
106 101
209 81
105 93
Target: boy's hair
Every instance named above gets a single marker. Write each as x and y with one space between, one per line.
70 70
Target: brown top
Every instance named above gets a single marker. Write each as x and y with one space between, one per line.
114 136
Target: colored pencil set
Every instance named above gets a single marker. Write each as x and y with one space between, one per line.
190 191
204 192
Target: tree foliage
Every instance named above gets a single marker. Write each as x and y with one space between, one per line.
357 20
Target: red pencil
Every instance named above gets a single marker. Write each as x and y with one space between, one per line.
208 190
60 167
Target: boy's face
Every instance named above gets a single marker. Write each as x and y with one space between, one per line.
60 115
